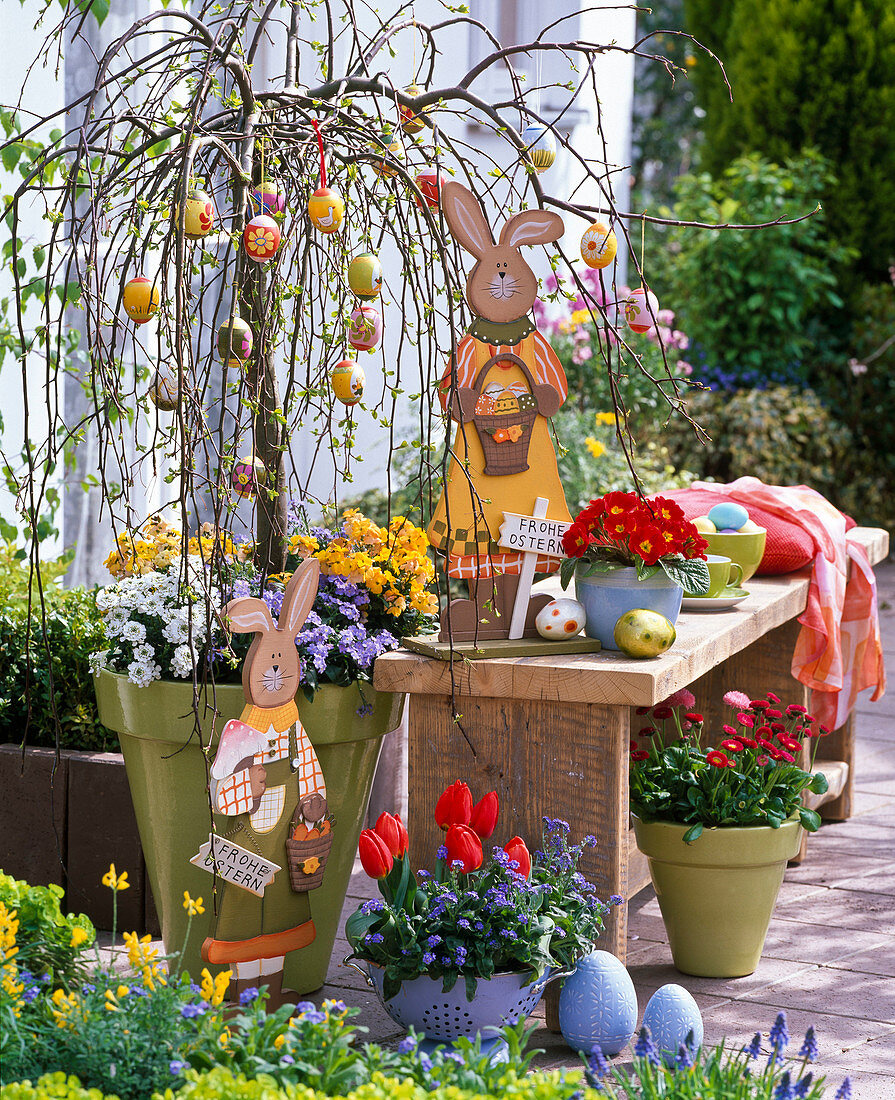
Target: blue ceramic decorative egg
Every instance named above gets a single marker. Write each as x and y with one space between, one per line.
728 515
670 1016
598 1005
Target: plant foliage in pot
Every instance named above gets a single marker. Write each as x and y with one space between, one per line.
167 647
472 946
625 553
718 825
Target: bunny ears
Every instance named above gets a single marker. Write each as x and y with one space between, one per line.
466 219
249 615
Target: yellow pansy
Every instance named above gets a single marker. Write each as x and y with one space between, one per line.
279 1042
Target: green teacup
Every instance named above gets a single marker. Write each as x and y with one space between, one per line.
723 573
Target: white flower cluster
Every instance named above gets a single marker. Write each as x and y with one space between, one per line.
155 623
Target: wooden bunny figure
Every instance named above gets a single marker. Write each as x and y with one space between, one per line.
509 381
264 768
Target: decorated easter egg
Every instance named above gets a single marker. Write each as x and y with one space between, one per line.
506 403
347 379
268 197
637 312
563 618
365 330
704 525
235 342
261 238
527 402
198 215
163 392
728 515
485 405
598 245
140 299
671 1014
643 633
392 144
429 181
598 1003
411 122
247 474
365 275
541 145
326 209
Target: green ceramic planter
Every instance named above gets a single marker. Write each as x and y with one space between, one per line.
168 776
718 893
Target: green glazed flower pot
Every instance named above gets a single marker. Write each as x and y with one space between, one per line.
718 893
167 771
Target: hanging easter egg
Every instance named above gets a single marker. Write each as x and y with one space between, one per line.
365 330
598 245
563 618
365 275
140 299
347 380
261 238
541 146
728 515
164 393
411 122
235 342
598 1004
326 209
637 312
198 215
392 144
429 181
670 1015
247 474
268 197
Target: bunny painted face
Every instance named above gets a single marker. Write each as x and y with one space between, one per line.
501 287
271 671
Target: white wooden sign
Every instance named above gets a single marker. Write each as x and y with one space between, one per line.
532 536
237 865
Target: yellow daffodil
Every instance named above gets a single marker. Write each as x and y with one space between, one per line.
193 906
115 881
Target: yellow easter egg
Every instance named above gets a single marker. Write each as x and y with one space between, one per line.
198 215
326 209
392 144
598 245
704 525
347 380
412 123
140 299
365 275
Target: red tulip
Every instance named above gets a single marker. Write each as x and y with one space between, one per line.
463 845
375 857
454 807
484 815
404 838
390 830
516 850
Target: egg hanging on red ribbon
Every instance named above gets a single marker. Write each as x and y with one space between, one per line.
140 299
198 215
365 275
235 342
637 312
268 197
347 380
598 245
429 181
261 238
326 209
365 330
247 474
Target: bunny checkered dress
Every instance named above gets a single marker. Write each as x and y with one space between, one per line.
249 927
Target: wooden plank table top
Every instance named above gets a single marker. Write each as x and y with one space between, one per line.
704 640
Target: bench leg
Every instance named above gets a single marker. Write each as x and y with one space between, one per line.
840 745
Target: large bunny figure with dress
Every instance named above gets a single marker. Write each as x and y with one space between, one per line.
264 777
508 383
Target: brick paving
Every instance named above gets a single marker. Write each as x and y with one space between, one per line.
829 959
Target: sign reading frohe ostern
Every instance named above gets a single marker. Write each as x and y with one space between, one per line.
237 865
533 535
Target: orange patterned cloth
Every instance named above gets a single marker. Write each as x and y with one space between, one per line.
838 651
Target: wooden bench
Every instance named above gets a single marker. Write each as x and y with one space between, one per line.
551 734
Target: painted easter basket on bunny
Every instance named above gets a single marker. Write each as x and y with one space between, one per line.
505 449
309 843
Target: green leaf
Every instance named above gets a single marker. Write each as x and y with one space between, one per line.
567 571
692 574
693 833
10 154
810 819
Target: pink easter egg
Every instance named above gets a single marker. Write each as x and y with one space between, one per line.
365 330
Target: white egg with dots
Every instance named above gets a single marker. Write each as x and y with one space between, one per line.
562 618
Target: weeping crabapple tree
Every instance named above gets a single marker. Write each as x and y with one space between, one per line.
175 104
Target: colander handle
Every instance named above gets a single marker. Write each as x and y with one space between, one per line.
565 972
366 976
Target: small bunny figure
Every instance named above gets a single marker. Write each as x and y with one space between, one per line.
509 381
265 766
